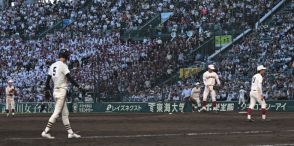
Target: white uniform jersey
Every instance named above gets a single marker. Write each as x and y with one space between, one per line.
242 93
256 83
196 92
210 78
9 92
57 71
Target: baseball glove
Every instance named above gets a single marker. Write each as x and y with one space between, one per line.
15 92
216 87
47 95
192 100
11 91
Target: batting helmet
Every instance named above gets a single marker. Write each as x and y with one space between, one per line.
64 54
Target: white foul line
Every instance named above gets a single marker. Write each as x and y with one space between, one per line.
156 135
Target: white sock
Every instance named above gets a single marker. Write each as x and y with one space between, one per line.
47 130
68 128
48 127
248 116
70 131
263 117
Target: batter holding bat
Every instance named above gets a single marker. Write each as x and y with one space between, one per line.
60 75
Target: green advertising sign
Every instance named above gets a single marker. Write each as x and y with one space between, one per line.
150 107
281 106
32 107
158 107
222 40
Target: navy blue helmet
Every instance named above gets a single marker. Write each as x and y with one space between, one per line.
64 54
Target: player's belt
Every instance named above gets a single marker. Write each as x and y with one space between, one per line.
59 88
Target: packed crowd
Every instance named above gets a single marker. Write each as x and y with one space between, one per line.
209 14
202 16
99 61
115 15
30 19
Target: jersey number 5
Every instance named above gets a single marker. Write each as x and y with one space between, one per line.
253 80
54 71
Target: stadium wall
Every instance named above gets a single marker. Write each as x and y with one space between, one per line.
146 107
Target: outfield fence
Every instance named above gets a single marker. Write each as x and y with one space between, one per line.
144 107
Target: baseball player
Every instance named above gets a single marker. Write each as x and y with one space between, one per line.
10 93
60 75
242 93
256 93
209 79
195 97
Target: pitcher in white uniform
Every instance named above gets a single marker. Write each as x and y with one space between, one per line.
256 94
209 80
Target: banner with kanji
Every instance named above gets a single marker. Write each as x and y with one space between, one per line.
150 107
188 72
222 40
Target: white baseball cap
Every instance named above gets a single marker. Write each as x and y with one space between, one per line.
260 67
211 66
10 81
